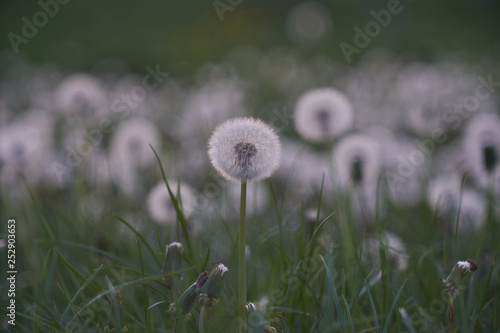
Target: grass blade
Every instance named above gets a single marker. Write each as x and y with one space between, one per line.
335 296
389 315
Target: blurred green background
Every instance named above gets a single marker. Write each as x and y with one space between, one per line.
190 32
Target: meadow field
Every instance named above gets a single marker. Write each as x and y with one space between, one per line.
369 183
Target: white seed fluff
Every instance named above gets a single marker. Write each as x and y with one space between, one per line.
356 160
322 115
160 206
464 265
244 149
481 144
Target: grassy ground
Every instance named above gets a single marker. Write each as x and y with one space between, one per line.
80 274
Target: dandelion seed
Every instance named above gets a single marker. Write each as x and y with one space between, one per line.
322 115
244 149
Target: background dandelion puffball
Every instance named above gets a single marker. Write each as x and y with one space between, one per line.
322 115
244 149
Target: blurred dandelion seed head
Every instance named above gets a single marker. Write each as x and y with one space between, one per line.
160 205
356 158
482 147
80 94
322 115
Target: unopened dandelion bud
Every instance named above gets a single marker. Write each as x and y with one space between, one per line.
173 256
173 260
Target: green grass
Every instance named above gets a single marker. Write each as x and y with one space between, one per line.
79 275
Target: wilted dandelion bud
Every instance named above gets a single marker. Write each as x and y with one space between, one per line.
256 320
250 307
186 300
244 149
458 277
211 290
322 115
188 297
466 267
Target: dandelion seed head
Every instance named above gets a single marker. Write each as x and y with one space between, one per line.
130 143
80 94
444 193
322 115
160 206
472 210
356 161
244 149
482 147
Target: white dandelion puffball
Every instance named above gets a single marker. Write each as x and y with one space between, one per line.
482 147
444 193
356 161
80 94
473 210
130 143
160 206
322 115
244 149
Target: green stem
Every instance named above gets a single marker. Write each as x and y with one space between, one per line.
242 284
201 319
452 314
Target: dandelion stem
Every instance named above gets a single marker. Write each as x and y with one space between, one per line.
201 319
452 313
242 284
